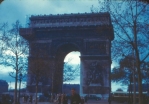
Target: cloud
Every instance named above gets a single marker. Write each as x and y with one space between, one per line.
12 85
73 57
12 10
115 86
4 73
5 70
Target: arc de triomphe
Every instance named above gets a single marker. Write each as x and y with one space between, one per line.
52 37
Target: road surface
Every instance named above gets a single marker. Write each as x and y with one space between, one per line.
89 102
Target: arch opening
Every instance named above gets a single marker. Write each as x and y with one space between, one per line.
71 69
72 63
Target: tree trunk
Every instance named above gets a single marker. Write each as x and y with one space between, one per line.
138 72
134 87
134 79
15 94
36 101
135 46
140 86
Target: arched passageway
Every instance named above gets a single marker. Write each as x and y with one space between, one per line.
62 51
71 69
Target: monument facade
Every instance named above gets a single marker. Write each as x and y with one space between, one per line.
52 37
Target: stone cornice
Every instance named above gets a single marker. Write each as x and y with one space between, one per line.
68 20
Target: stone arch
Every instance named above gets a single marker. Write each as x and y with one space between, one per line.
68 46
92 40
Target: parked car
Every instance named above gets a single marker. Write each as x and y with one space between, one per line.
92 97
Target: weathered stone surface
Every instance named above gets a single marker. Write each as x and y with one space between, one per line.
52 37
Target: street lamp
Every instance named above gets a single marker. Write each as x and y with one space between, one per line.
20 79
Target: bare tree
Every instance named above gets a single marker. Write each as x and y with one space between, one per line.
131 25
3 32
14 51
145 1
131 33
40 69
124 71
125 74
70 71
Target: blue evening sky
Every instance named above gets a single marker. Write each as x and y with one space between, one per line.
12 10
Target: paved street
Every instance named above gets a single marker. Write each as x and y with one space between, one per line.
89 102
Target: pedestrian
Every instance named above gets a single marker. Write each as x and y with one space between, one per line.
75 97
59 98
64 99
25 98
82 100
31 99
109 99
86 98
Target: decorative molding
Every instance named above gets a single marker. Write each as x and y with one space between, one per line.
84 19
